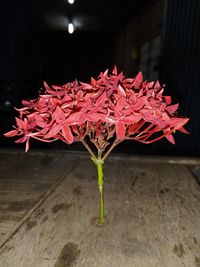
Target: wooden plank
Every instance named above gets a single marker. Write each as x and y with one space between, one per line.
24 181
153 215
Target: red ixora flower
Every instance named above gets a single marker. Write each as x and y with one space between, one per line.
111 107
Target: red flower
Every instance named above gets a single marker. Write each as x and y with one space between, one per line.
109 106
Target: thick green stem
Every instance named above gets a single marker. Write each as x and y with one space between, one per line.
99 164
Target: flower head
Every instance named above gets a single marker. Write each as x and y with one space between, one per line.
109 106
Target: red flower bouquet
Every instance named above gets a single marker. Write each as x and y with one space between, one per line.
106 111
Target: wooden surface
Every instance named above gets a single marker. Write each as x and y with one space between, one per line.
24 182
153 216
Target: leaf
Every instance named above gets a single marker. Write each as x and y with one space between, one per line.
66 131
120 130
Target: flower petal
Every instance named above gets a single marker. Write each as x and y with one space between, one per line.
172 108
138 80
121 90
120 130
66 131
11 133
53 132
170 138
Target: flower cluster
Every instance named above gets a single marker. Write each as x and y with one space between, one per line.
111 106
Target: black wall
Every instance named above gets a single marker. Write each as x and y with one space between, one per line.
180 67
30 54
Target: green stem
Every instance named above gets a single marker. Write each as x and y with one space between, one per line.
99 164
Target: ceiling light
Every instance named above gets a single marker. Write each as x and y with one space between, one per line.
70 28
71 2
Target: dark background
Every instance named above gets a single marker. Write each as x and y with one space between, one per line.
161 38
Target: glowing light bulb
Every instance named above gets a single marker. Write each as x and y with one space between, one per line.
70 28
71 2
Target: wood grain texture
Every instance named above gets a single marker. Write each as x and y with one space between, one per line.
24 181
153 214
